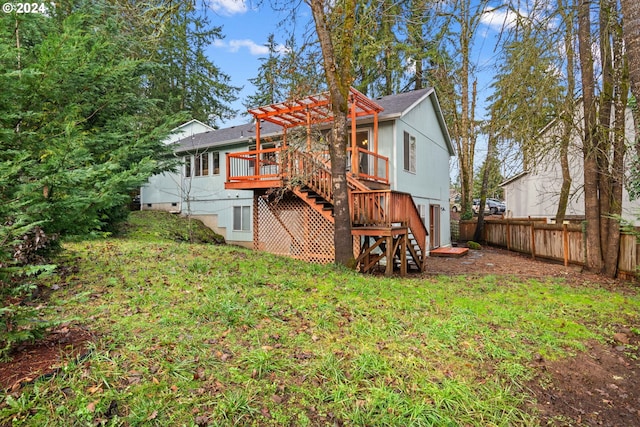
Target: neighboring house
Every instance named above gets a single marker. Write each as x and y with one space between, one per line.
162 192
536 192
267 185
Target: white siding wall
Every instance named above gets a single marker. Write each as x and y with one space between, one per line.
537 193
429 185
203 197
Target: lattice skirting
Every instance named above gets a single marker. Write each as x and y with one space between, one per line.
290 227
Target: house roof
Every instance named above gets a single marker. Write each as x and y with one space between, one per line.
227 136
397 105
513 178
394 106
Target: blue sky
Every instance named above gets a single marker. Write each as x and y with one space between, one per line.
246 26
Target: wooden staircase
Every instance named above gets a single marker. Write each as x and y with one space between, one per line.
388 217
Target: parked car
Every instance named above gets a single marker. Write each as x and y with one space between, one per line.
476 206
492 206
496 206
456 206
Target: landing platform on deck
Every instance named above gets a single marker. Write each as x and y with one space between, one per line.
449 252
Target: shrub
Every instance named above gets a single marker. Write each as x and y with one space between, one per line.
19 315
474 245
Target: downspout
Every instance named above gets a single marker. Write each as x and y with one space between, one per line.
394 183
375 143
354 153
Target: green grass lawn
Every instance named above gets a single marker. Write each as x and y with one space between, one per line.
198 334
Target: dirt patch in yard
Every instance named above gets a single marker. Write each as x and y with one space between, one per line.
598 387
500 262
29 362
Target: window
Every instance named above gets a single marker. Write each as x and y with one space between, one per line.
216 162
242 218
202 164
187 166
197 165
409 152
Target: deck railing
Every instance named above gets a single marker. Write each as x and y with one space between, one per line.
385 208
277 163
371 166
256 165
311 171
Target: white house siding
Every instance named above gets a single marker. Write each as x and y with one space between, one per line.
190 128
536 193
429 185
202 197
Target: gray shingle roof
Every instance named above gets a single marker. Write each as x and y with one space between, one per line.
226 136
398 104
394 105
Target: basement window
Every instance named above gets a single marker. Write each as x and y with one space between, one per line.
241 218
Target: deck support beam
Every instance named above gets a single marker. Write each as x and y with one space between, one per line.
392 242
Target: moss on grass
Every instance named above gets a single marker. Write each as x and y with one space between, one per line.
156 225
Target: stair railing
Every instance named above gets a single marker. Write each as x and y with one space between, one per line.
385 208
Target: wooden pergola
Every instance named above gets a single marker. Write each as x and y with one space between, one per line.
316 109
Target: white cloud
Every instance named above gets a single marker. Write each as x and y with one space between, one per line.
499 19
235 45
228 7
254 48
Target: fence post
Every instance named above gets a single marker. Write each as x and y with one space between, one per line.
565 244
533 240
508 235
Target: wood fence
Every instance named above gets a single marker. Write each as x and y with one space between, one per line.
559 242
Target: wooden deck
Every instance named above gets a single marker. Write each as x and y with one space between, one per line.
449 252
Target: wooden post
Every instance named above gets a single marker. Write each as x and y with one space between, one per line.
308 131
354 152
533 241
565 244
365 247
508 235
389 250
403 254
257 135
375 144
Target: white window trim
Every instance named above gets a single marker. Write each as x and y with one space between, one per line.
234 225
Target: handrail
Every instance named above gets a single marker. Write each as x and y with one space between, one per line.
371 166
385 208
310 172
276 163
242 166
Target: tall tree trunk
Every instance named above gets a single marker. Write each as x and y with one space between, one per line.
589 148
338 77
492 146
603 141
631 27
565 188
568 114
621 77
465 139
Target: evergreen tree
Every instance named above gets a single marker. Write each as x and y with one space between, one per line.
268 82
78 134
187 80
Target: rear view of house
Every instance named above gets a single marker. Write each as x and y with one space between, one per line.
266 185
